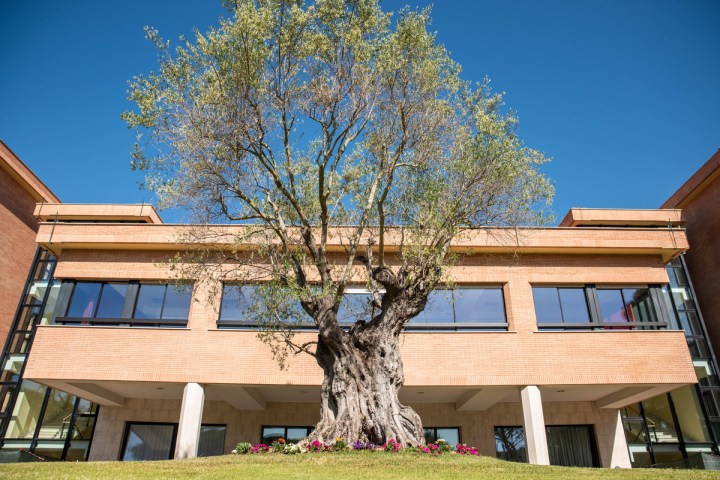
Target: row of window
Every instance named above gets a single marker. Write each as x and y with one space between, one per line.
135 303
472 307
156 441
568 445
556 308
594 307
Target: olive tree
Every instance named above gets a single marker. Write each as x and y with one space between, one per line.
326 124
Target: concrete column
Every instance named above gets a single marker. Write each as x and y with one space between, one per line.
619 456
534 424
188 436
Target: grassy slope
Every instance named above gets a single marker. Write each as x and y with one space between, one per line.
355 465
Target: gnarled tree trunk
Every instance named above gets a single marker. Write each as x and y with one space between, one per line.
359 397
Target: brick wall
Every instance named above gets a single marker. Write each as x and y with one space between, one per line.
17 246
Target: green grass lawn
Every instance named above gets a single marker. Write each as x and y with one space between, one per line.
355 465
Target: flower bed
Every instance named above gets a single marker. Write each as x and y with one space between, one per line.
281 446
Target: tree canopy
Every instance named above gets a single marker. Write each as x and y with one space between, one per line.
297 119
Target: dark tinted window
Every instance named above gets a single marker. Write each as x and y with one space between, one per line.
484 305
84 300
150 301
558 305
112 300
168 302
547 305
355 306
236 301
177 302
574 305
149 442
626 305
289 434
212 440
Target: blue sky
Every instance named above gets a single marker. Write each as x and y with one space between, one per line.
624 96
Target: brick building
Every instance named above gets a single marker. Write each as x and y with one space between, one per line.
20 190
564 336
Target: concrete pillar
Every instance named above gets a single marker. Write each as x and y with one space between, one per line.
619 456
534 424
188 436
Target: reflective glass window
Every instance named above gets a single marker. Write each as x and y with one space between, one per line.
626 305
547 305
58 414
149 442
574 305
439 308
659 420
510 444
26 413
177 302
212 440
112 300
295 434
48 314
479 305
236 301
612 307
150 301
689 415
84 300
634 424
83 428
639 305
560 305
289 434
355 306
451 435
272 434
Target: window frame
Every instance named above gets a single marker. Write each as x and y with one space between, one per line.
285 430
459 430
126 435
595 314
408 327
127 318
173 444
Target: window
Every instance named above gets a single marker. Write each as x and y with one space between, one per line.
451 435
560 305
510 444
149 441
625 305
289 434
568 445
212 440
163 302
466 308
86 296
124 303
156 441
236 302
590 307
